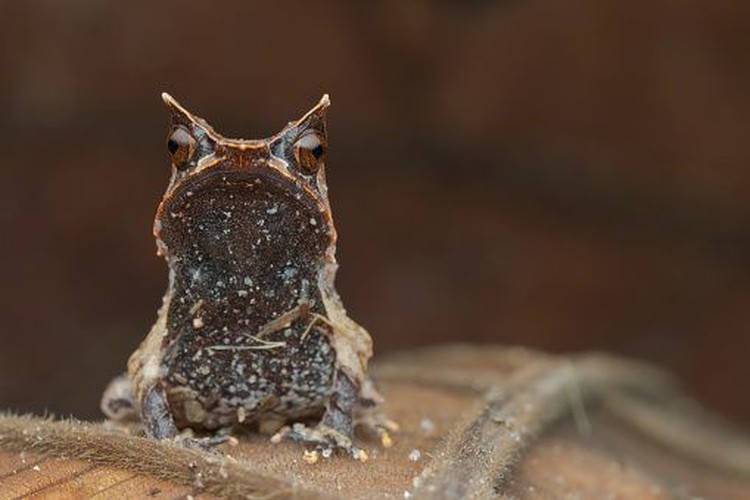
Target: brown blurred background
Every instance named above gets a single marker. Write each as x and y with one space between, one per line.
567 175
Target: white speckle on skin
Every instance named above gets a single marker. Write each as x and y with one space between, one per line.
195 275
415 455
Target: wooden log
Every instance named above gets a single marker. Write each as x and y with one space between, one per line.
476 422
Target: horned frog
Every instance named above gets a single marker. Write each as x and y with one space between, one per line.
251 331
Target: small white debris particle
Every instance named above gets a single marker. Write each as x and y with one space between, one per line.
415 455
241 414
385 440
242 293
313 222
37 468
310 457
407 494
428 427
276 438
198 322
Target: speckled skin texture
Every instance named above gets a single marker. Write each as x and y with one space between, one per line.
251 330
249 252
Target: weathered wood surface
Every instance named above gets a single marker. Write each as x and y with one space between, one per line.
476 422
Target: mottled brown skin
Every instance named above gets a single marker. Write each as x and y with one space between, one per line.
251 330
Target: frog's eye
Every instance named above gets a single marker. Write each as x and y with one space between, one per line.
181 146
310 152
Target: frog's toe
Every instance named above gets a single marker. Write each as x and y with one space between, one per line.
207 444
325 440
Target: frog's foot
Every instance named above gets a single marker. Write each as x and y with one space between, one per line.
208 443
324 440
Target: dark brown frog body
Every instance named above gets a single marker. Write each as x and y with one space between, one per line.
251 330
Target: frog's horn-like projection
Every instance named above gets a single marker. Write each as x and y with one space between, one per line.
316 115
314 120
181 116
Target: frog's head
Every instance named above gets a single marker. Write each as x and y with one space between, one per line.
209 172
296 154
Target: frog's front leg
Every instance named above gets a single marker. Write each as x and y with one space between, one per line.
152 409
158 422
155 414
119 404
336 427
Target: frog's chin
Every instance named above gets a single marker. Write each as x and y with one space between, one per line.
245 181
234 211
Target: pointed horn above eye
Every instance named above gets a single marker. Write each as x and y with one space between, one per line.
180 114
316 114
173 105
168 99
324 102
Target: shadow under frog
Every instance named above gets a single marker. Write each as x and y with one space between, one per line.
251 330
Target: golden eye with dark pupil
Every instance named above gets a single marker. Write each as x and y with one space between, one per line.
309 152
181 145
